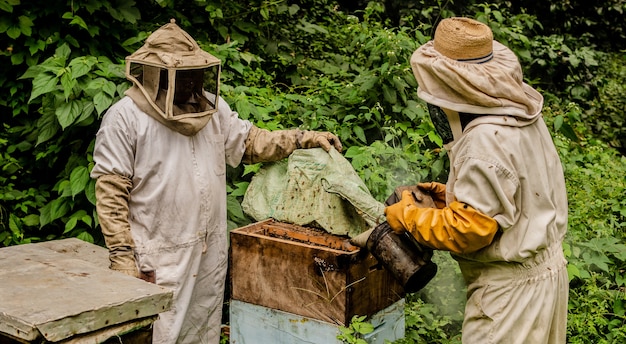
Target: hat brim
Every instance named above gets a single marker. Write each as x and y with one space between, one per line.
493 87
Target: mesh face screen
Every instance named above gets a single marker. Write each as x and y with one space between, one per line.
440 121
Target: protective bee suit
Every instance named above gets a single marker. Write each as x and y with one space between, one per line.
503 210
160 160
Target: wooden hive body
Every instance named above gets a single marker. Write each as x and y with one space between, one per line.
307 272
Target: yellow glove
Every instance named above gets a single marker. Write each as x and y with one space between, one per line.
458 228
436 190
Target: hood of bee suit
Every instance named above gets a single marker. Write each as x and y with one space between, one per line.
463 69
167 54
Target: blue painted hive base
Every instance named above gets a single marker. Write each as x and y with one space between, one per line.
254 324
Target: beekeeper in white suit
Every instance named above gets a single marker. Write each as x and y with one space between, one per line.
160 159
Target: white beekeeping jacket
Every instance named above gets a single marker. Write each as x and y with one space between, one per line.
177 207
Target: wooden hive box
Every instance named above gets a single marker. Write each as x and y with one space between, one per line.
307 272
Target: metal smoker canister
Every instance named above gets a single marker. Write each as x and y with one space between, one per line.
408 261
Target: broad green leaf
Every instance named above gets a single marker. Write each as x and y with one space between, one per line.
70 224
437 167
572 271
90 191
265 13
436 139
7 6
31 72
109 88
5 23
42 84
13 226
87 219
569 132
251 169
81 65
235 211
85 115
367 81
85 236
34 47
129 11
243 106
240 190
68 112
14 32
558 122
79 179
17 59
48 127
58 208
101 102
63 188
389 94
76 20
360 134
68 83
31 220
63 51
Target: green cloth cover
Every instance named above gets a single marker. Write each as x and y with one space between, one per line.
316 189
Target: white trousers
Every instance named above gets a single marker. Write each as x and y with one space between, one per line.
197 276
517 303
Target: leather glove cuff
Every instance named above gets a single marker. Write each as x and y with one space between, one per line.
124 263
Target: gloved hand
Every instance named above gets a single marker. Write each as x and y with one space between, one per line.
124 262
423 200
112 195
323 139
266 146
437 192
458 227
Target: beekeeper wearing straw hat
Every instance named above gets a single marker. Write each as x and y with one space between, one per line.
503 210
160 161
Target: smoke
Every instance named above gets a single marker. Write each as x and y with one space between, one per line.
447 290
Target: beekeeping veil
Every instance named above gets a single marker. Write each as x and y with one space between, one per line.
175 81
464 70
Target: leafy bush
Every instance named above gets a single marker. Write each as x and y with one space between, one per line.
316 65
604 114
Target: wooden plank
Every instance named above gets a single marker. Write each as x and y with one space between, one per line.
51 295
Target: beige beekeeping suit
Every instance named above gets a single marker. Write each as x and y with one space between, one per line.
160 166
503 166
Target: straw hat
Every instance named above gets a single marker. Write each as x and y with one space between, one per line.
465 70
464 39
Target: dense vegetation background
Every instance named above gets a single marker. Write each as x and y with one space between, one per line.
340 66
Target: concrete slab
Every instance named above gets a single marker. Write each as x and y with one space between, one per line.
50 292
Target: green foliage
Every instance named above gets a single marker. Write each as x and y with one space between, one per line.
604 113
594 247
425 326
353 334
340 66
